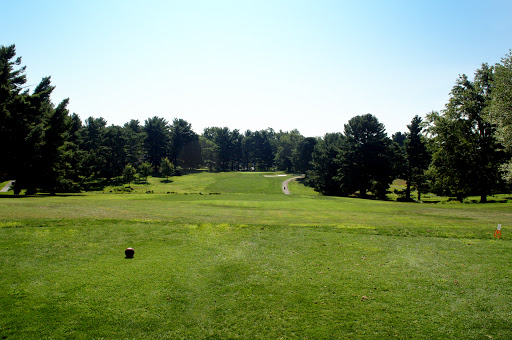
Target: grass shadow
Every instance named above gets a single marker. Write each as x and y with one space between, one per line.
141 182
40 195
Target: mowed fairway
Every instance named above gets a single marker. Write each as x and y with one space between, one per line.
230 256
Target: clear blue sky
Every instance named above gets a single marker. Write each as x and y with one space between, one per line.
285 64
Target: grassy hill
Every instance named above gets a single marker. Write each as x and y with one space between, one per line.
228 255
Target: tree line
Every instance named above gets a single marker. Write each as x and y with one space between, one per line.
463 150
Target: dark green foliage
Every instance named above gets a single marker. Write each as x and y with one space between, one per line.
12 79
466 154
129 173
115 152
417 158
93 137
207 152
35 135
399 138
222 139
365 162
185 147
157 139
262 151
287 144
324 168
145 170
134 141
303 154
362 159
223 149
236 149
28 127
56 164
501 109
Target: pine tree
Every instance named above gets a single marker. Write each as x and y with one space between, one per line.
129 173
167 168
417 158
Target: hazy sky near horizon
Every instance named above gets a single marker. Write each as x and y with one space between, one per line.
284 64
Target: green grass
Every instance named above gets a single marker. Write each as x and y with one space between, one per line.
251 262
206 183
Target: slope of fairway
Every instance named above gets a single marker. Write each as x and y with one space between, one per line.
229 255
207 182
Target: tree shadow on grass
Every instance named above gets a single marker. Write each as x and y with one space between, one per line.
42 195
166 181
141 181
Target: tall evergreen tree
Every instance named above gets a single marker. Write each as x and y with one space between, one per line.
185 148
115 152
222 139
287 144
207 152
157 142
417 158
134 136
12 102
263 152
34 133
303 154
55 168
324 168
236 149
366 158
93 144
284 152
247 150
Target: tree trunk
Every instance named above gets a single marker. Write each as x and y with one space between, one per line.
362 192
408 191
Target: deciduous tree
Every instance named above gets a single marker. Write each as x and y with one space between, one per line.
501 109
466 154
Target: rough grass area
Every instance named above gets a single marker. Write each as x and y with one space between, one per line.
258 265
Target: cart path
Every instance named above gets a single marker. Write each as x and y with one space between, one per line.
7 186
286 191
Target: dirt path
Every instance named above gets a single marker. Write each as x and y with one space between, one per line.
7 186
286 191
